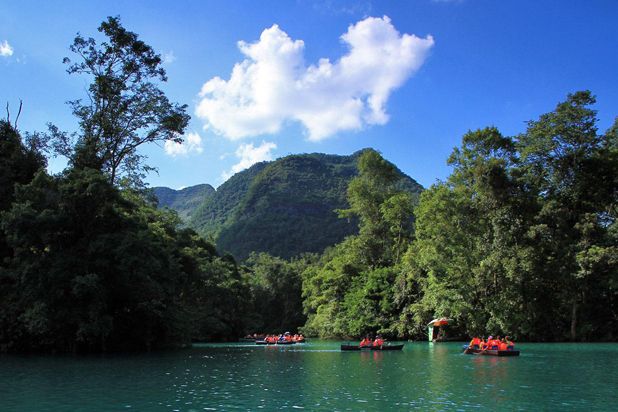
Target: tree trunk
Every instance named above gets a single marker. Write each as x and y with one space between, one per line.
574 320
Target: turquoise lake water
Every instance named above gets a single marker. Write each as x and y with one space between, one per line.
315 376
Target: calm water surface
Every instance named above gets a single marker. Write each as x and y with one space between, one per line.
315 376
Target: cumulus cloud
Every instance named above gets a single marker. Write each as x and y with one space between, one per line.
5 49
192 144
168 58
274 84
249 155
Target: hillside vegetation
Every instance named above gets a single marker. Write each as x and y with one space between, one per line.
184 201
284 208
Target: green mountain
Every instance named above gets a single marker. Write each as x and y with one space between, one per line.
285 207
184 201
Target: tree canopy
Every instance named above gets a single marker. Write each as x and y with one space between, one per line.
124 109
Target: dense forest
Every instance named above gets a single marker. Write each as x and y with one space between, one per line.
521 239
87 261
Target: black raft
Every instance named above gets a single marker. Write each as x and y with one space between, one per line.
381 347
490 352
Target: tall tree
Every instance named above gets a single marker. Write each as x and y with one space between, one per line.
125 107
573 169
351 290
520 239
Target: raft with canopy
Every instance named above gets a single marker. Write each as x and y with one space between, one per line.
437 335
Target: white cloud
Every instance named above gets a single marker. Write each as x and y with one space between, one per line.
249 155
5 49
192 143
168 58
273 84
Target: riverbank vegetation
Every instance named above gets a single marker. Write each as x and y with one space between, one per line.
521 239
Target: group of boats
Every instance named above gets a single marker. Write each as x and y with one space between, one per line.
466 350
368 345
283 339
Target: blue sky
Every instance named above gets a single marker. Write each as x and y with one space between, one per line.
408 78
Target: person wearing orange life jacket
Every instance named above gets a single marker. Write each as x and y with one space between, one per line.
379 341
487 344
502 345
475 343
495 345
510 345
365 342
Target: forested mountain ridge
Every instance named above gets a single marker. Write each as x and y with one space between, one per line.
285 207
214 211
184 201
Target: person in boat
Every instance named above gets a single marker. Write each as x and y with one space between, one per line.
365 342
475 343
288 337
487 344
495 344
378 341
510 345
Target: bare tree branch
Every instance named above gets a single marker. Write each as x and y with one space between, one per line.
18 112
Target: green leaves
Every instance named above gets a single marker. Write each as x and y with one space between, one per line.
517 240
125 107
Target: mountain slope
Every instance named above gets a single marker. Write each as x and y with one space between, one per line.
285 207
184 201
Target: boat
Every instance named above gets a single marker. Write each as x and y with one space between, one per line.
490 352
436 330
365 348
263 342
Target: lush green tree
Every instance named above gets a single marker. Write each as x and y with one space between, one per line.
275 286
18 163
351 292
573 170
96 269
519 239
125 107
89 264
